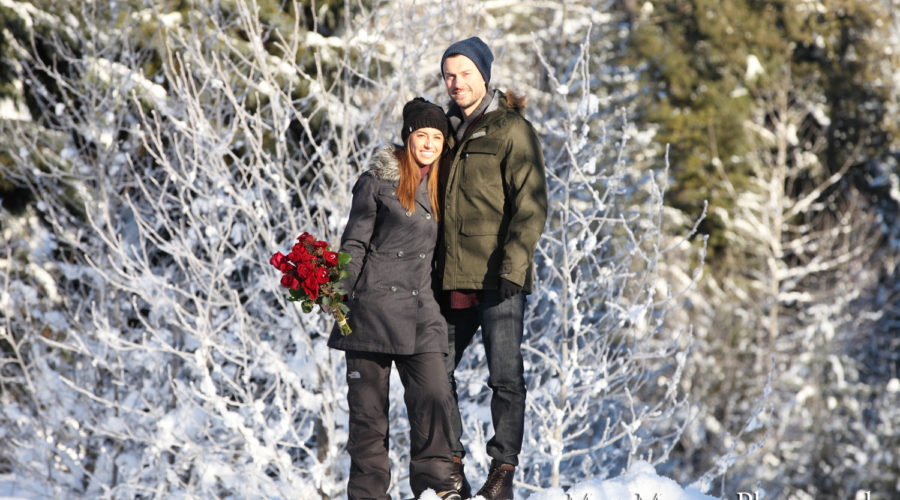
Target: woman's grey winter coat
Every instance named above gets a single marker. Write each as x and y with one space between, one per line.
392 305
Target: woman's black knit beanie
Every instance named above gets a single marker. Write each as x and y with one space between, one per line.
419 113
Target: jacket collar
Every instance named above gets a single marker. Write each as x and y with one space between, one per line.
386 167
500 105
422 195
459 124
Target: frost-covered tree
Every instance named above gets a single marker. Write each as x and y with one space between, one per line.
809 242
155 357
147 349
779 115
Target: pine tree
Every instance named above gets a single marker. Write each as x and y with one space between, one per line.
699 58
799 99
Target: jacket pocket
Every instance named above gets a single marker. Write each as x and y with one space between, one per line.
480 227
483 146
479 251
482 165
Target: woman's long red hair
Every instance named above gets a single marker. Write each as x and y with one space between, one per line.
409 179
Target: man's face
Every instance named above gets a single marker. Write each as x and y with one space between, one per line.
464 82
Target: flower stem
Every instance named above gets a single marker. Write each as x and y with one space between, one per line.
342 320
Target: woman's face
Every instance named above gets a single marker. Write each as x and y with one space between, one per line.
426 145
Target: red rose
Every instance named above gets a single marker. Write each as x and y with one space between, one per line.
305 238
311 287
305 270
298 254
286 267
321 275
277 259
331 258
320 244
289 281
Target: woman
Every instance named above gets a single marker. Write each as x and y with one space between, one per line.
390 237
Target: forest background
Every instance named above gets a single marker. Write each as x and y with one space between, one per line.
717 286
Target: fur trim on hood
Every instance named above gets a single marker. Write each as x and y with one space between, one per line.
515 101
385 165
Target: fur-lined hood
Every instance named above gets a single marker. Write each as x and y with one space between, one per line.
513 100
385 165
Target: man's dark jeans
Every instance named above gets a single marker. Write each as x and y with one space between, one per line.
502 325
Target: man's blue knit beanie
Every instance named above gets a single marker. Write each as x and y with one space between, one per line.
474 49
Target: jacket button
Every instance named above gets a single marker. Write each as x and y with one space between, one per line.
415 292
421 255
400 253
393 289
408 213
428 216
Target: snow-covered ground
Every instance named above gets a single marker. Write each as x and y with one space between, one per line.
639 482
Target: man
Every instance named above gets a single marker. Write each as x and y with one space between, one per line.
495 207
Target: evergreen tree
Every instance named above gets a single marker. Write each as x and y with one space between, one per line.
700 58
776 114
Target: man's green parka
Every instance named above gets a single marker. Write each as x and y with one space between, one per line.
495 201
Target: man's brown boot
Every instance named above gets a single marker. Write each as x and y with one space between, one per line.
459 479
499 484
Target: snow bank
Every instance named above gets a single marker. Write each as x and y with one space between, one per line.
640 481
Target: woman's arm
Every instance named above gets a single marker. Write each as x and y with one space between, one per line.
360 226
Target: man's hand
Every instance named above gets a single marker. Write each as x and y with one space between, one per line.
507 289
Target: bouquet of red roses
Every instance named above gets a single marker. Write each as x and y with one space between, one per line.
312 274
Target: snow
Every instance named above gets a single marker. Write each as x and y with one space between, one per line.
754 68
13 110
639 481
893 386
